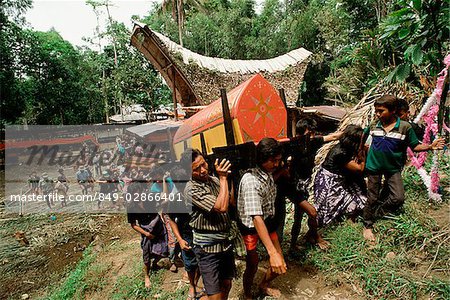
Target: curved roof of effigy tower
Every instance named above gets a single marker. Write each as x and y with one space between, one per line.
198 79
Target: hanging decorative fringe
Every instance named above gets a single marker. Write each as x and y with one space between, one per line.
428 114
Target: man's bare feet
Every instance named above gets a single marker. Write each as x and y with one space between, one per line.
369 236
315 239
322 244
185 277
147 282
271 292
295 249
192 295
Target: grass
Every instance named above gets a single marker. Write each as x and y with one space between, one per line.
75 284
91 276
409 261
132 287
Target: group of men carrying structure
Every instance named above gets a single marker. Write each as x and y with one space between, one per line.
209 238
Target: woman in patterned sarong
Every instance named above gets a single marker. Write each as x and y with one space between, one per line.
339 188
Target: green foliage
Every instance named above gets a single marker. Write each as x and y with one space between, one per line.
396 48
417 34
45 80
314 91
11 11
51 69
10 35
346 37
132 79
356 45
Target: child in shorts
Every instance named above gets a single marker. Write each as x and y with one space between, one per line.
153 233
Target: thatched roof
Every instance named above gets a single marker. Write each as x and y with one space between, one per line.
198 78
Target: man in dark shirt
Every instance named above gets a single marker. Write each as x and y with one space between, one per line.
403 114
304 147
108 186
47 185
62 185
179 222
33 182
83 179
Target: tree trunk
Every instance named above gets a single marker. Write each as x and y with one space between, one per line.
61 115
113 35
180 21
105 97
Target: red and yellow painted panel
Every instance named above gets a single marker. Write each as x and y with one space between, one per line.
256 109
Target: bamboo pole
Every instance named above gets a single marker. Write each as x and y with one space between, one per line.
21 204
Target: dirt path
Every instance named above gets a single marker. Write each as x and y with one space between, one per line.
122 257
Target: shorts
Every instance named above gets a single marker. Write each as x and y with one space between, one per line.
157 246
189 259
146 246
215 267
251 240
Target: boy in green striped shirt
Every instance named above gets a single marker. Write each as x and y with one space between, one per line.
388 140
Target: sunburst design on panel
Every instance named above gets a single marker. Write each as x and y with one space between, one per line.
261 109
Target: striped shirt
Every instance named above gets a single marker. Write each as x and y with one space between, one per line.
387 150
256 196
205 220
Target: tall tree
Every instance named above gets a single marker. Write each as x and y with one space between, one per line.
178 9
50 66
11 20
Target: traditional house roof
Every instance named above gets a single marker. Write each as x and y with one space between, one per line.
199 78
327 111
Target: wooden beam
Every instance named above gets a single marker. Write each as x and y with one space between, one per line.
145 42
171 149
203 143
288 114
228 124
283 97
166 67
174 94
